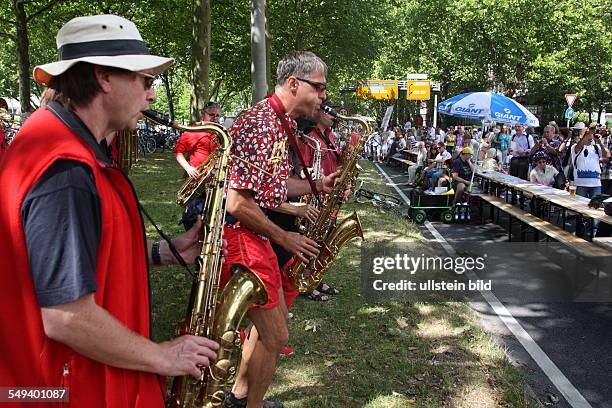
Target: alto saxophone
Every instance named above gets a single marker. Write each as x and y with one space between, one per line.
316 173
332 238
212 313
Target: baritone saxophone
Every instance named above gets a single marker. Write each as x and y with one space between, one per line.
331 237
213 313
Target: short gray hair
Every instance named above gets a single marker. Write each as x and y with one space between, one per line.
299 64
550 127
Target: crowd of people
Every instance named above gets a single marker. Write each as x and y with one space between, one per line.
578 156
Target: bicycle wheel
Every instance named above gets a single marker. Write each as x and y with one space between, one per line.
150 145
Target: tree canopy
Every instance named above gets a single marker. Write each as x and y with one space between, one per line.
534 51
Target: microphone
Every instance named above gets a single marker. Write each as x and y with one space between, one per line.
329 110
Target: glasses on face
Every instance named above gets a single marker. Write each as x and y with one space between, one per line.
318 86
213 114
149 80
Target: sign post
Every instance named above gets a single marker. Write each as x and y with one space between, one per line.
569 112
435 86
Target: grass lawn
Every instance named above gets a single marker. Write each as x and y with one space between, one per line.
349 353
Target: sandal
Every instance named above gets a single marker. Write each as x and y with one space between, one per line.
316 295
232 402
328 290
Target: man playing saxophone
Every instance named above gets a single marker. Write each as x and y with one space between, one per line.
329 155
74 276
259 179
198 146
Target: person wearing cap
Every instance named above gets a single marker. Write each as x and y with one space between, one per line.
542 173
461 172
585 156
74 280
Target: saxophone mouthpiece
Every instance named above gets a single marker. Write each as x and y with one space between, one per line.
157 117
329 110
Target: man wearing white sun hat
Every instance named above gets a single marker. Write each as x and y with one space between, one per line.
74 282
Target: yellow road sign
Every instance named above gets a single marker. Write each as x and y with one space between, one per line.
375 89
418 90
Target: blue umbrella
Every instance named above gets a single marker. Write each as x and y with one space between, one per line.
488 106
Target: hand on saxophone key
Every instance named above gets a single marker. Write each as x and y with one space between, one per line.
327 182
192 171
308 212
186 355
304 248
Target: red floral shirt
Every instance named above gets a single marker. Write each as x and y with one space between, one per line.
260 161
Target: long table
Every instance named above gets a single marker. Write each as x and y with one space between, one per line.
496 182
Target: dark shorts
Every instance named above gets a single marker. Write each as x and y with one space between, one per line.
251 250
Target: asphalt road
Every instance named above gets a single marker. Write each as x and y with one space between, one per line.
577 337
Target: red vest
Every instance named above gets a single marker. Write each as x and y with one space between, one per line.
28 358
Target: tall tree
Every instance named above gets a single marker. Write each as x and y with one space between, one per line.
200 56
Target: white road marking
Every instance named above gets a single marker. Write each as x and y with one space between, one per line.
550 369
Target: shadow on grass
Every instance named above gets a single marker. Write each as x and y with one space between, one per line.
361 355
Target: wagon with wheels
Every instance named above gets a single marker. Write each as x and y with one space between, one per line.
424 205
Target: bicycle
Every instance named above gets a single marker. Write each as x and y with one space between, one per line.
146 142
382 200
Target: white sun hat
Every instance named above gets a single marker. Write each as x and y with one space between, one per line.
106 40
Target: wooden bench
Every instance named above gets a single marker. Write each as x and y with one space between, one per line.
403 162
604 242
581 246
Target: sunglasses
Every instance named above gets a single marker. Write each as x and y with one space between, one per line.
213 115
149 80
318 86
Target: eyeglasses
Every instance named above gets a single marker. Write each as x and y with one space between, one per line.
213 115
318 86
149 80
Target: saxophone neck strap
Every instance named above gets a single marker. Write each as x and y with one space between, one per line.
279 110
166 238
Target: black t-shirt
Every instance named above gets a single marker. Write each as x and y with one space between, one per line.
462 168
62 222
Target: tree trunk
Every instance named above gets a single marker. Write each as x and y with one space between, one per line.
599 113
23 56
200 57
258 50
169 94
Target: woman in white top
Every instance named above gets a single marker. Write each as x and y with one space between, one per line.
542 173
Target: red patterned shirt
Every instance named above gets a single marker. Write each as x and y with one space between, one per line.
260 160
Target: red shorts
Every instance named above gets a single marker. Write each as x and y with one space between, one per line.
251 250
289 291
